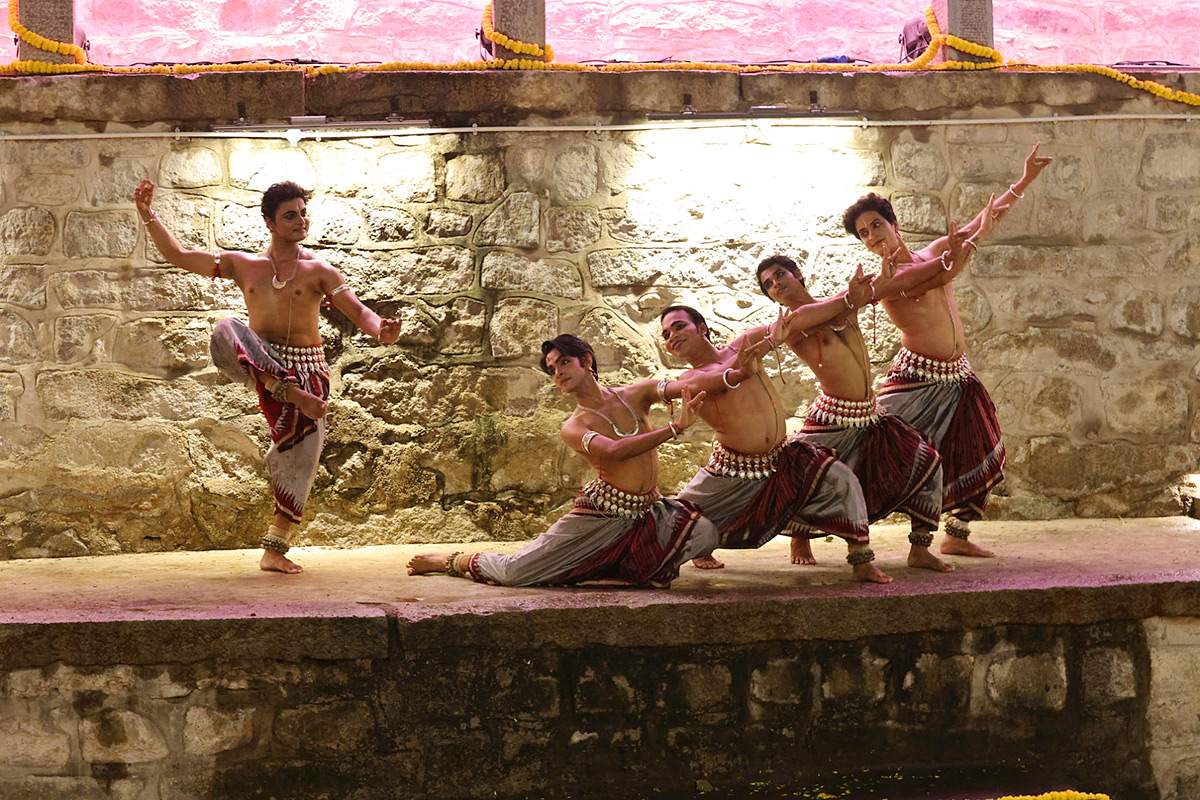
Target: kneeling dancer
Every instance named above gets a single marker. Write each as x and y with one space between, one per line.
279 354
758 481
621 531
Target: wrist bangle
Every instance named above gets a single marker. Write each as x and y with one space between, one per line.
945 264
968 241
725 379
153 216
846 299
1012 187
674 432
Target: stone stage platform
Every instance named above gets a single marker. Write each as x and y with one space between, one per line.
1071 660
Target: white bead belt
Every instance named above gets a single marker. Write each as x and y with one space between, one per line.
827 410
912 365
732 464
608 499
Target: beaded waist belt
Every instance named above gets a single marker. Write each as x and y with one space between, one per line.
827 410
608 499
732 464
310 358
908 364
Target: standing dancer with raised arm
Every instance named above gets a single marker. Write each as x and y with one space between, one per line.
931 385
279 353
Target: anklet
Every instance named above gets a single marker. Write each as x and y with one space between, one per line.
273 541
957 528
921 539
860 557
452 565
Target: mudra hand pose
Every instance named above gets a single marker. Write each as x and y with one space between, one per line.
279 353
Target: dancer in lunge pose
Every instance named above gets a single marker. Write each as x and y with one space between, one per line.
930 385
897 467
757 480
621 530
279 354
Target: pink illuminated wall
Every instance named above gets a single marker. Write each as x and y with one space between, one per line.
1040 31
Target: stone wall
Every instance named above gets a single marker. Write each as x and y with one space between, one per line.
1062 32
117 435
1105 706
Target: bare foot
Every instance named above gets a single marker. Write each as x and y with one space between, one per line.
953 546
273 561
802 551
868 572
309 404
707 562
424 563
921 558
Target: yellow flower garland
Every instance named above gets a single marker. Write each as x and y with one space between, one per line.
524 48
937 40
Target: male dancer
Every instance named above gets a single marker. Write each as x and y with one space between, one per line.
621 531
930 384
279 354
757 480
896 465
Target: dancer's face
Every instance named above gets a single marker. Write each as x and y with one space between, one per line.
783 286
876 233
681 335
567 372
291 220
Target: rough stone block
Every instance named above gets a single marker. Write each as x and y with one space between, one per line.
511 272
48 788
1117 166
920 214
336 222
1184 313
241 227
18 339
571 229
1038 302
1109 676
699 688
255 164
1114 217
1050 350
1064 469
1039 404
191 167
1167 162
106 394
606 692
27 743
23 286
1034 683
114 182
12 386
1096 262
999 165
188 217
475 178
144 290
163 343
855 680
120 736
919 165
347 169
27 232
940 682
1175 212
103 234
1147 407
391 224
1058 219
514 223
576 174
1166 631
448 224
330 729
519 326
83 338
1140 313
208 731
1067 178
408 176
784 681
47 189
525 164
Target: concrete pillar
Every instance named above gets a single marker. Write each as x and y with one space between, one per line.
966 19
523 20
54 19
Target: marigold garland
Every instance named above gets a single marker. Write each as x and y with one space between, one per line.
524 48
541 58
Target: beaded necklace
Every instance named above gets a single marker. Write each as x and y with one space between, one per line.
620 434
